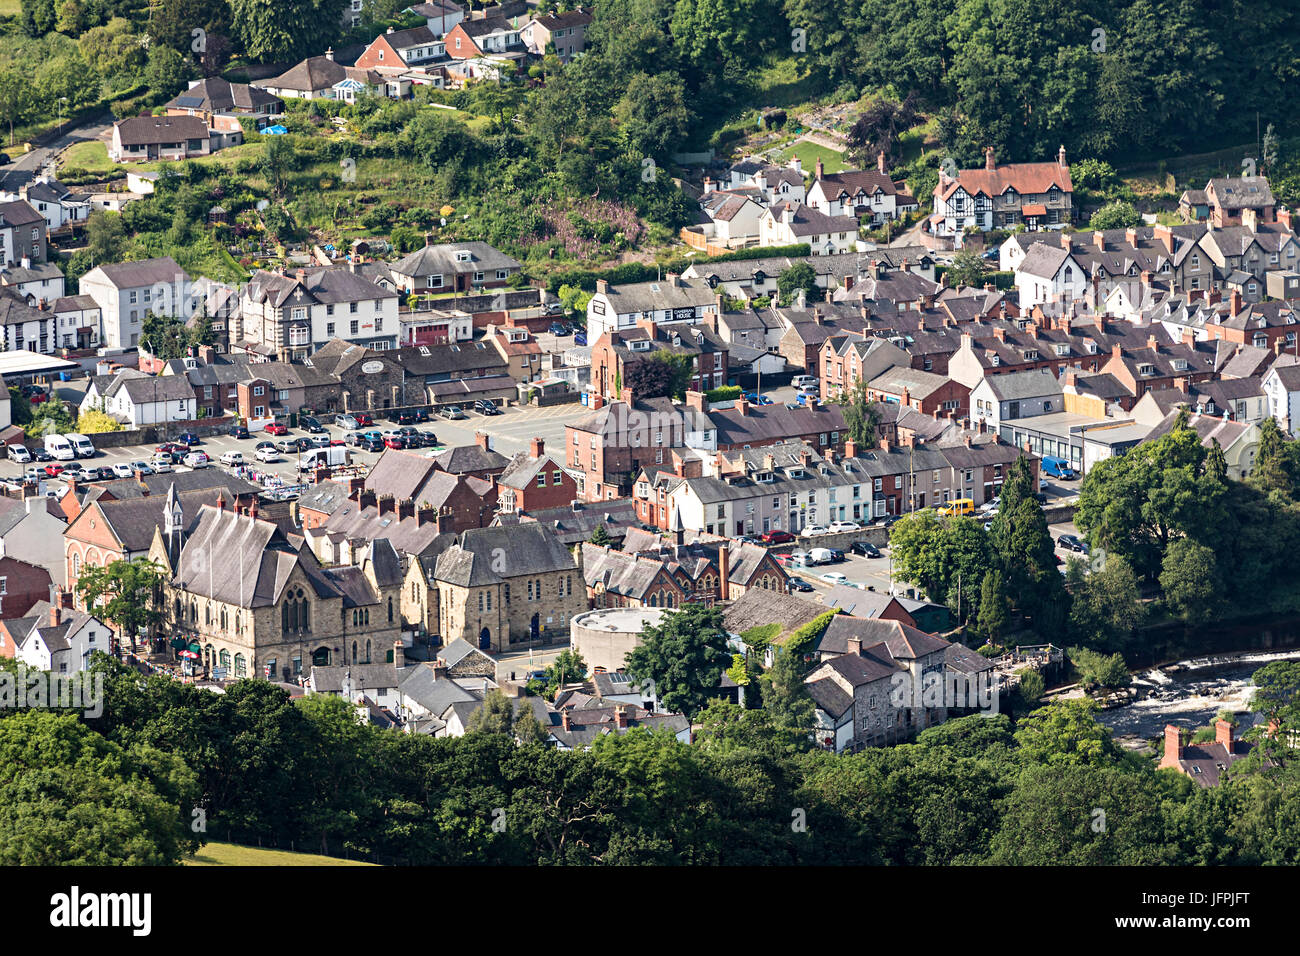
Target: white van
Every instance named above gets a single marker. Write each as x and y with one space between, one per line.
60 448
81 445
820 555
800 381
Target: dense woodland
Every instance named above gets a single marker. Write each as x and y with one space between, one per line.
1050 788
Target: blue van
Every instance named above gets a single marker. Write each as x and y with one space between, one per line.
1059 468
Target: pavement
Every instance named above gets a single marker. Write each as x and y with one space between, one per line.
26 166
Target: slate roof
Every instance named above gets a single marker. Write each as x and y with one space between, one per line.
757 606
1026 178
19 212
1244 192
830 697
329 679
574 526
774 422
328 285
1015 386
466 459
807 221
319 73
245 561
217 95
660 295
153 130
904 643
441 260
145 272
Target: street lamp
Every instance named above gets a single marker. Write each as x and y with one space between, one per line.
62 100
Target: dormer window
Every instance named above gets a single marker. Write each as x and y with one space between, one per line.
1062 349
995 360
1092 347
1146 370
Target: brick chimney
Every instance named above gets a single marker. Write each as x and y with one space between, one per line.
439 667
424 514
446 521
386 504
850 448
847 282
1153 343
481 439
1131 236
697 401
1284 217
1099 240
884 444
906 398
56 614
742 405
1116 352
855 646
536 448
620 717
405 509
990 162
399 654
821 169
880 162
724 573
1164 235
1234 303
1223 734
566 721
602 286
1173 747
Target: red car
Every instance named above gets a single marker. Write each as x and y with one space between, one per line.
777 537
337 441
171 448
53 470
392 441
276 429
363 420
38 397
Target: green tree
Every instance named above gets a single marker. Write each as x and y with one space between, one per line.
1115 215
166 71
105 237
285 30
785 696
568 667
799 277
652 116
1189 578
1099 670
685 657
1106 606
123 593
1065 732
70 797
861 417
968 268
994 608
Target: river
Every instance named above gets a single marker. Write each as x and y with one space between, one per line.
1190 693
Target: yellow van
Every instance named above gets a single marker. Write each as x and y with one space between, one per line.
961 506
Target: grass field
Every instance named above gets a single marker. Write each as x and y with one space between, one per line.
809 153
228 854
92 156
10 8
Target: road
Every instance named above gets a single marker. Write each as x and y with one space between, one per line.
26 166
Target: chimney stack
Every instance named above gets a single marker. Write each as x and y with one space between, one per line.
724 572
1234 303
880 162
620 717
850 448
855 646
481 439
989 161
56 614
439 669
399 654
536 448
1165 235
566 721
821 169
1223 734
1173 747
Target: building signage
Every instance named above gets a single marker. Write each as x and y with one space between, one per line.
372 368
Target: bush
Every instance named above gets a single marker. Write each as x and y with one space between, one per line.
96 422
801 641
724 393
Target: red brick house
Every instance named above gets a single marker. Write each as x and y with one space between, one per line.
22 584
534 481
926 392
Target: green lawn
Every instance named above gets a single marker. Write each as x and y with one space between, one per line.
228 854
10 8
92 156
809 153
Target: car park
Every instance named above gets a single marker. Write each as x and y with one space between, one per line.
197 459
277 429
451 413
347 422
313 426
232 459
188 439
798 584
239 431
18 453
865 548
486 407
777 536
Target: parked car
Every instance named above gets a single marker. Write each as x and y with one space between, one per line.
396 442
403 417
451 412
837 556
579 338
18 453
865 548
40 454
1040 497
99 473
266 452
990 507
312 425
372 444
799 584
35 474
806 381
320 441
820 556
1059 468
839 527
353 438
801 559
197 459
121 468
239 431
363 420
287 446
992 254
486 407
814 530
4 159
188 439
161 464
233 459
427 439
171 448
888 521
348 422
277 429
809 399
559 328
754 398
1071 542
748 539
777 537
835 577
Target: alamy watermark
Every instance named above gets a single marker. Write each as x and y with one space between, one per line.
954 691
37 689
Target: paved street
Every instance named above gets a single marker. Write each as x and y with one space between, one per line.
26 166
